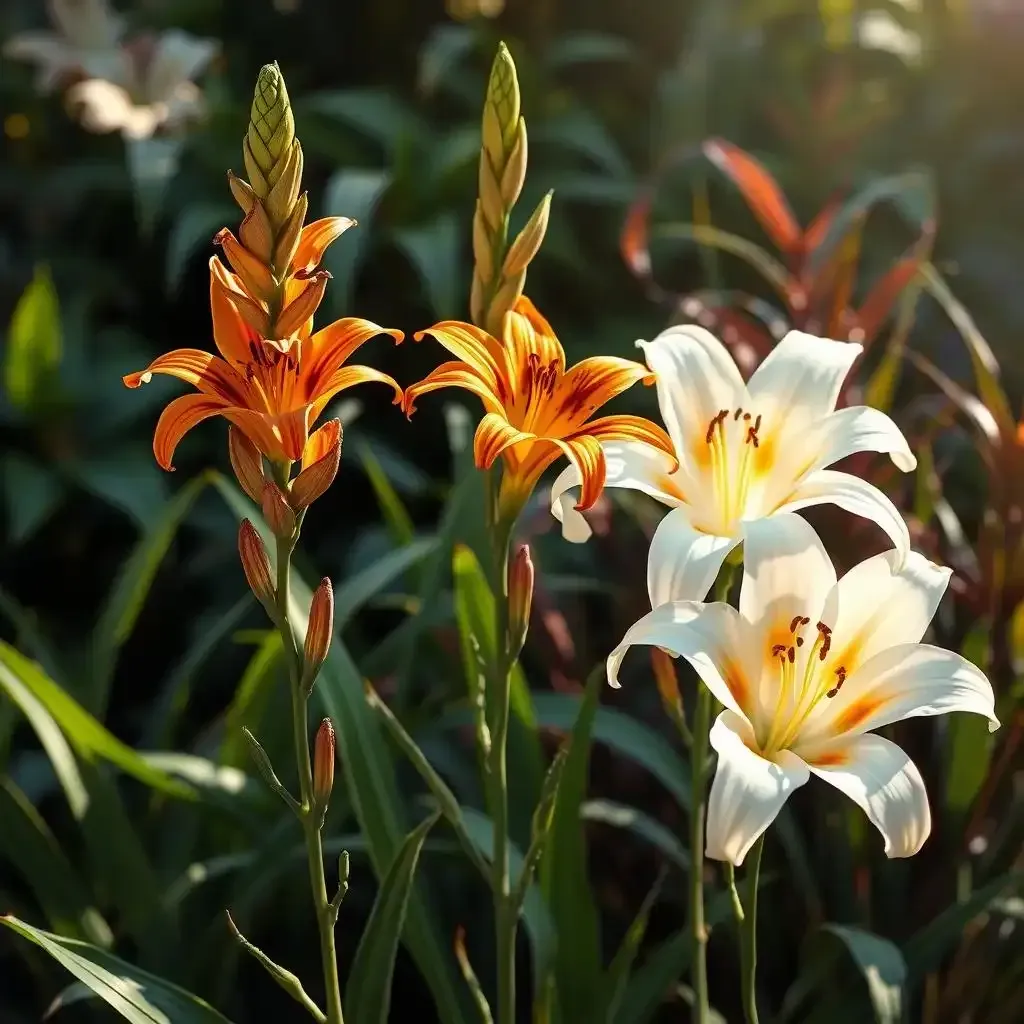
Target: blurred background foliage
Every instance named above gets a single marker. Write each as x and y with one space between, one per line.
903 120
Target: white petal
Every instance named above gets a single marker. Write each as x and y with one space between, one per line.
104 107
179 58
908 681
802 376
713 638
748 791
878 607
630 464
879 777
863 429
829 487
683 562
696 379
786 571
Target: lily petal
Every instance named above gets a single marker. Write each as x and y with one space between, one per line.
588 385
683 562
453 374
629 464
879 607
623 427
863 429
203 370
802 376
476 347
711 637
322 441
586 454
231 332
696 378
527 333
907 681
830 487
314 239
332 346
786 572
177 419
748 791
346 377
493 435
881 779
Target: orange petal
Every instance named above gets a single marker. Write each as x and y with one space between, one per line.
453 374
233 330
321 441
477 348
588 456
631 428
260 429
246 462
178 419
314 239
589 385
299 312
203 370
254 274
528 335
494 435
330 347
347 377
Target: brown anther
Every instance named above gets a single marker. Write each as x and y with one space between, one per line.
791 654
737 414
714 424
797 619
799 641
804 620
826 640
778 649
746 417
840 679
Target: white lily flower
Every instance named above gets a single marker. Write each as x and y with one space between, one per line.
805 669
85 42
155 90
746 452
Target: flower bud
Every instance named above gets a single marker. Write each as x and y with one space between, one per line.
303 306
320 459
271 131
323 769
668 684
501 108
247 463
319 631
256 564
527 242
520 597
276 510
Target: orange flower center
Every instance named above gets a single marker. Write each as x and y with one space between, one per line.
274 371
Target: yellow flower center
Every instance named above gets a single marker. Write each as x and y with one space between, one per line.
802 682
273 371
732 439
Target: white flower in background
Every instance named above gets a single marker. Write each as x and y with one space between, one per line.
804 669
156 89
746 452
85 41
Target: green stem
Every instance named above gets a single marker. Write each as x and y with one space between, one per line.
506 918
749 935
698 760
325 912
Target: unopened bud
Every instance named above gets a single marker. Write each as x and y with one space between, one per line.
668 684
256 564
271 132
501 108
520 597
276 510
320 459
247 463
302 308
323 769
319 631
514 175
527 242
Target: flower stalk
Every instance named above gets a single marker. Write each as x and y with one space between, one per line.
748 935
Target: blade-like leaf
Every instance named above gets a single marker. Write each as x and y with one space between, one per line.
759 189
368 992
34 344
882 967
138 996
617 815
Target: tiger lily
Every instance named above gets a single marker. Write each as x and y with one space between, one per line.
535 409
804 669
273 390
747 451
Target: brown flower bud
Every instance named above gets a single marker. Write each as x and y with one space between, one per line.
323 768
276 510
247 463
321 460
520 597
256 564
319 631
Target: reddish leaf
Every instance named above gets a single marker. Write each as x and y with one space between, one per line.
634 242
759 189
819 227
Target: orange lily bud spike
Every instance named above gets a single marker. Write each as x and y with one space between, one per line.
520 598
319 631
323 768
256 564
536 410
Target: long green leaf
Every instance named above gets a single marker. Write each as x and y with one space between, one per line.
129 594
138 996
882 967
87 735
565 878
34 344
617 815
369 777
368 992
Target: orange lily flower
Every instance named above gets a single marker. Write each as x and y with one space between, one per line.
536 410
273 390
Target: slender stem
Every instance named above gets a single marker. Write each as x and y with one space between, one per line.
325 912
506 920
749 935
698 761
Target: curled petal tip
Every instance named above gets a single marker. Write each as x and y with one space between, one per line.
134 380
419 335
